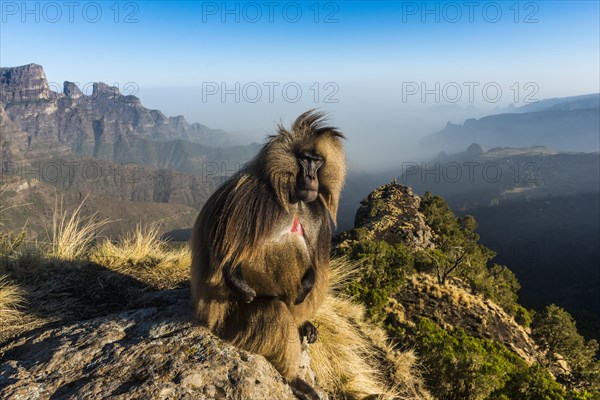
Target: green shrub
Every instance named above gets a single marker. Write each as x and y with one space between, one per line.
555 332
383 269
522 316
462 367
530 383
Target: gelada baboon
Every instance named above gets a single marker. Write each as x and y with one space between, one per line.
260 246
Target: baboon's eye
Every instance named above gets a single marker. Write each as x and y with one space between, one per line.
311 157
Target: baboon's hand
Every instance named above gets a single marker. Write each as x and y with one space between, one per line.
308 281
309 331
303 390
234 279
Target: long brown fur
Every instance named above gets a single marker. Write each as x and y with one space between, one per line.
244 223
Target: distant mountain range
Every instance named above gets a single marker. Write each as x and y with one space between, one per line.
87 122
565 124
107 144
581 102
104 125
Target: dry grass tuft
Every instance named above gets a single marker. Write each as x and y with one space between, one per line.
352 358
70 279
144 255
11 298
11 295
72 234
11 301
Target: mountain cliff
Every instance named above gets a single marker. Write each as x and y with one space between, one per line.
89 123
107 144
104 125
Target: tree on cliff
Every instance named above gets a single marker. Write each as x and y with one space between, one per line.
555 331
457 251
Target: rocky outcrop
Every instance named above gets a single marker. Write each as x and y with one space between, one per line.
454 306
24 84
390 213
71 90
151 353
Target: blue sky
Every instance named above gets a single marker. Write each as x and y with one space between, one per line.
367 40
368 52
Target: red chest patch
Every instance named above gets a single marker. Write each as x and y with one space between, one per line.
297 226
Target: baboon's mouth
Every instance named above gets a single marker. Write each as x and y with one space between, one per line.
308 195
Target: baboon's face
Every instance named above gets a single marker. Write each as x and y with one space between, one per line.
307 182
